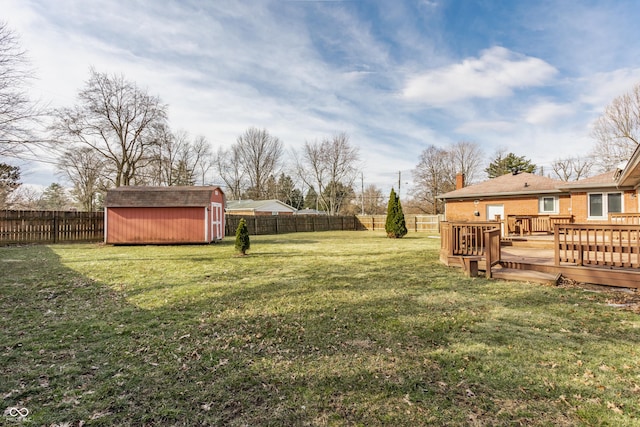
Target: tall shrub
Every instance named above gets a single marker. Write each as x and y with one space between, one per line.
242 237
391 212
400 225
395 225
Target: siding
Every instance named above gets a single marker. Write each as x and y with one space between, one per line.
155 225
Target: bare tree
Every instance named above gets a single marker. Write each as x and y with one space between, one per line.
373 200
18 115
175 159
228 166
115 118
329 166
617 131
572 169
467 158
202 156
25 198
433 176
260 156
85 169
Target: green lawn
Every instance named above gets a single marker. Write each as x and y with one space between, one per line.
333 328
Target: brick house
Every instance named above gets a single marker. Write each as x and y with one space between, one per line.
524 194
513 194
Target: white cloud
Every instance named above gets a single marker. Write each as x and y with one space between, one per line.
545 113
496 73
599 89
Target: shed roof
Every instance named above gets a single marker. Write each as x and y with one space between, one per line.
522 183
142 196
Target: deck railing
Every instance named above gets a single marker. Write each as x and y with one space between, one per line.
607 245
480 239
625 218
535 223
492 252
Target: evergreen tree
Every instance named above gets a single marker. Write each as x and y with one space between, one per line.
242 237
395 225
400 225
54 198
311 199
9 181
503 165
391 212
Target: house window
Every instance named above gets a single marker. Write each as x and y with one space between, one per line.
548 204
602 204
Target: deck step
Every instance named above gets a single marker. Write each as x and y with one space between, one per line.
524 243
525 275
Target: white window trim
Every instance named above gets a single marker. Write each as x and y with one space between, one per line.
605 204
556 205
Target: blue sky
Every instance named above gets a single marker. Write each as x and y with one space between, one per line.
524 76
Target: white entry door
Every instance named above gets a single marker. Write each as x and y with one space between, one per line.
217 221
492 211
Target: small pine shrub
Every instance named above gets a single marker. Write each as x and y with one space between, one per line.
395 225
391 213
243 242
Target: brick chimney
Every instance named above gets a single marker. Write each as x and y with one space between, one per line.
459 181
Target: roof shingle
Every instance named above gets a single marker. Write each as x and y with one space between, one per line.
522 183
139 196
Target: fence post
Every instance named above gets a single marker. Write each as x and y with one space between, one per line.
55 227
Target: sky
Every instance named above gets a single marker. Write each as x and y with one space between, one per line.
527 77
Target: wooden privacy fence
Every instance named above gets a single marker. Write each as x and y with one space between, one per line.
54 226
278 224
50 227
608 245
418 223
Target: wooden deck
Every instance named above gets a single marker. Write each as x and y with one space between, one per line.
539 258
531 257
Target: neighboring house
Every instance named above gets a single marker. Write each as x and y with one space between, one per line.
525 194
309 211
259 207
164 215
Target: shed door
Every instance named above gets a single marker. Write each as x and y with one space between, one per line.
217 221
492 211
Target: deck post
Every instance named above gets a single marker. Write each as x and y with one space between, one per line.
556 245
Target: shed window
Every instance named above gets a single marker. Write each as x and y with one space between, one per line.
548 204
602 204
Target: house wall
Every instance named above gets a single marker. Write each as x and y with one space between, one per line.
576 205
457 210
155 225
580 208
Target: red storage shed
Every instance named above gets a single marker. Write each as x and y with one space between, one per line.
164 215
